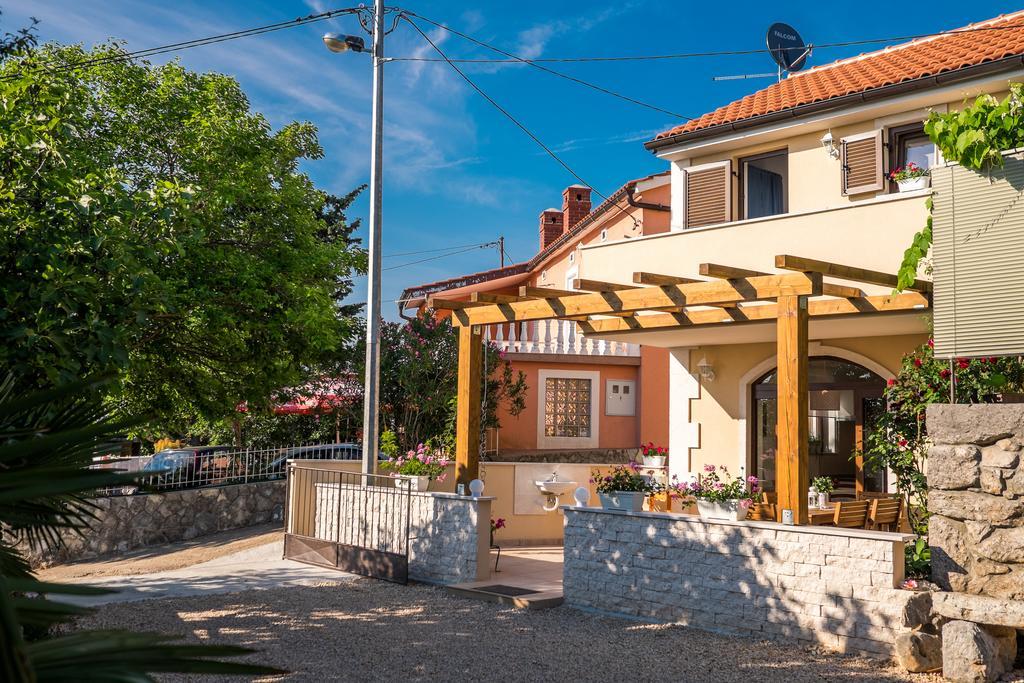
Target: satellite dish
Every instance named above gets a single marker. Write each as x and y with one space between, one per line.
787 48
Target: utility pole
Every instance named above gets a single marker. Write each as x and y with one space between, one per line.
501 249
371 396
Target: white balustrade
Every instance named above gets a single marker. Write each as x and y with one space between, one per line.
553 336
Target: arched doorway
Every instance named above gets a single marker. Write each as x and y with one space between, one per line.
845 400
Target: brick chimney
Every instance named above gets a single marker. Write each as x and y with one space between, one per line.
575 204
551 226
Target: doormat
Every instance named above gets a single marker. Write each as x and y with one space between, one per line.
510 591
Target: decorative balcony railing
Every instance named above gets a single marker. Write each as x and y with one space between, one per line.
553 336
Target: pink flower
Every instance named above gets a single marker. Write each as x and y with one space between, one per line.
709 468
441 477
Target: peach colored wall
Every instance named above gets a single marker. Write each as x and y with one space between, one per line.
520 432
653 394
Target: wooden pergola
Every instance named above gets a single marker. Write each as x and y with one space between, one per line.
654 301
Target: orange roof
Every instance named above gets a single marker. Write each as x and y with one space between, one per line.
971 45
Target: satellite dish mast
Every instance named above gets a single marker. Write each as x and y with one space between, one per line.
787 49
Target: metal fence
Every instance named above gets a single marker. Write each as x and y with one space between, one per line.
188 468
351 521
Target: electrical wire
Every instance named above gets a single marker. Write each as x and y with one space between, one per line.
434 258
714 53
514 120
432 251
188 44
521 60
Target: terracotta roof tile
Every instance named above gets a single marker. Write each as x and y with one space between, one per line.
968 46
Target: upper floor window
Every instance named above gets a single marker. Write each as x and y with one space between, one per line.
909 144
764 181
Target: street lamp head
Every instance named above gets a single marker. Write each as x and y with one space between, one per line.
336 42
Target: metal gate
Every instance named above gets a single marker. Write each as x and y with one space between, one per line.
355 522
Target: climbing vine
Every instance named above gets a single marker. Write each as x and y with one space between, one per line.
975 137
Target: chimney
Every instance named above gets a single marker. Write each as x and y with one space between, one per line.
551 226
575 204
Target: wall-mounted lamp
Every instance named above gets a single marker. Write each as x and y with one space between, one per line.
705 370
829 145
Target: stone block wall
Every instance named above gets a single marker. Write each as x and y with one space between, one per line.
449 535
976 498
125 523
835 587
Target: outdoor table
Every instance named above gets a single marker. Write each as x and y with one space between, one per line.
822 516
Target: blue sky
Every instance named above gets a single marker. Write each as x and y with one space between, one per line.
457 172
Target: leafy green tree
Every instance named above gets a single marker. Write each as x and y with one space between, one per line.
151 224
418 379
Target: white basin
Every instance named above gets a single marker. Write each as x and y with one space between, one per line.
555 488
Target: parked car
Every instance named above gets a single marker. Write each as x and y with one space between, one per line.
328 451
188 467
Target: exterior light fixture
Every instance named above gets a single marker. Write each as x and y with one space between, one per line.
829 145
336 42
706 370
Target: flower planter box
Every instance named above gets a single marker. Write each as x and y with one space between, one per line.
731 510
920 183
404 481
653 460
631 501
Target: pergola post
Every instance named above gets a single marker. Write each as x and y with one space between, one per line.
467 418
792 476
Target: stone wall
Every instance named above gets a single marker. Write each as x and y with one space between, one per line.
449 535
125 523
976 497
835 587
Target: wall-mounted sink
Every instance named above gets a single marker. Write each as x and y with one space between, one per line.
552 489
555 488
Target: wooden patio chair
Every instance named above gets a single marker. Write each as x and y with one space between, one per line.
885 513
851 514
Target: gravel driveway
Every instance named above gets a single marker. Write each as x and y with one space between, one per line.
364 630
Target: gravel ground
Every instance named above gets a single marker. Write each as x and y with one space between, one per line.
371 630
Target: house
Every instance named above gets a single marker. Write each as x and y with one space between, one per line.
772 290
590 398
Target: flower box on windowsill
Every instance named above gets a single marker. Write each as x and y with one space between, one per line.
404 481
630 501
912 184
730 510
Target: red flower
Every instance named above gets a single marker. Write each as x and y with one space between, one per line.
931 343
963 363
918 362
944 373
892 382
903 443
992 359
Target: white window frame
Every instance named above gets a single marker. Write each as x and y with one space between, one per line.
596 400
727 163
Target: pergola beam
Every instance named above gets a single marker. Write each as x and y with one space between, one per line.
658 280
645 298
729 272
585 285
467 410
872 277
791 466
439 304
489 298
528 292
819 308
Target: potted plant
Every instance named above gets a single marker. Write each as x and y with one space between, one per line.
496 524
823 486
653 456
910 177
417 468
719 496
624 488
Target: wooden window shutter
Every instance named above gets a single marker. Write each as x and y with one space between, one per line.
708 194
861 157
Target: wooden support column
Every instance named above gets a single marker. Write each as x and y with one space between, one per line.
792 478
467 418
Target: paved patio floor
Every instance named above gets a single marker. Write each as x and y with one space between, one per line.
367 630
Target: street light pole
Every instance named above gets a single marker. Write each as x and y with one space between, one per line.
371 395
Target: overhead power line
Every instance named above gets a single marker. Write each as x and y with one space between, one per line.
188 44
485 245
513 119
434 251
712 53
521 60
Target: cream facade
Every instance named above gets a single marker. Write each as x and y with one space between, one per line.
720 409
